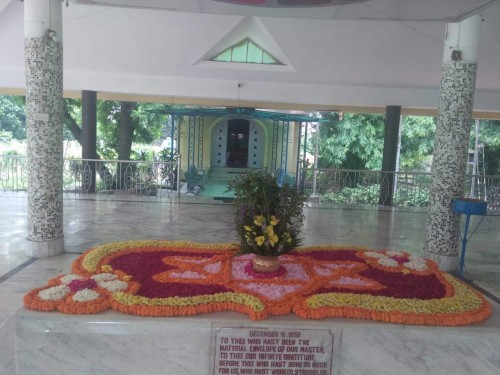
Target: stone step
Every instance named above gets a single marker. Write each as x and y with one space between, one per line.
224 174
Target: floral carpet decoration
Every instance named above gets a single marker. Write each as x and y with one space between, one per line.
167 278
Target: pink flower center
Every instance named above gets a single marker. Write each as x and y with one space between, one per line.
77 285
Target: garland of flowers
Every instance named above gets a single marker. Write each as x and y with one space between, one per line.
313 282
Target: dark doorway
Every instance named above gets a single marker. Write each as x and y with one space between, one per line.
237 143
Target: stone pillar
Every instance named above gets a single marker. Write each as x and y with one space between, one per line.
392 120
89 139
44 126
458 77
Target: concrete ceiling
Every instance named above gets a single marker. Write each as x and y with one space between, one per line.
401 10
365 55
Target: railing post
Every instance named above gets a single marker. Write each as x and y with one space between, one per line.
179 176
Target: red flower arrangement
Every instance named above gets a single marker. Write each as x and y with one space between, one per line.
164 278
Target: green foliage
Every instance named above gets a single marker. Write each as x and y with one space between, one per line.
73 109
168 172
490 138
351 143
142 155
268 217
12 118
417 142
5 137
147 124
356 141
411 197
406 196
11 153
108 118
368 194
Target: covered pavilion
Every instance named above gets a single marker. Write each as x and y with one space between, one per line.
371 56
356 56
381 56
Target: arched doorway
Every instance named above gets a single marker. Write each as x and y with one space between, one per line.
237 143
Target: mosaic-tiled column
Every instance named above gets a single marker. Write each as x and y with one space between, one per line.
44 126
458 77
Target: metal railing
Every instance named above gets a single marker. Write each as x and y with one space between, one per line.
13 173
409 189
100 177
116 178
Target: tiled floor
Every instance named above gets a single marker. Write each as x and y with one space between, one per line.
90 222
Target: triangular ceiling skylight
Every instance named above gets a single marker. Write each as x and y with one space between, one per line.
249 45
246 51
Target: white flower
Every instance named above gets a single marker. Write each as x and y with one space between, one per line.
374 254
85 295
392 253
54 293
388 262
416 265
104 277
69 278
113 285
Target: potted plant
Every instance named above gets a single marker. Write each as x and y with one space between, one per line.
268 217
168 169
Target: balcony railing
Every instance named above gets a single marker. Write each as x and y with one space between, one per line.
116 178
409 189
101 177
13 173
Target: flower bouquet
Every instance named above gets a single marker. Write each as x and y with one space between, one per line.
268 216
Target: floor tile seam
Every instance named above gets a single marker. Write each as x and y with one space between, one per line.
7 318
17 269
488 294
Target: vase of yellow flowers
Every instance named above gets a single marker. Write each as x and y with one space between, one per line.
268 217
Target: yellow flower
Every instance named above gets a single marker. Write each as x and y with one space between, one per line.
273 239
106 268
287 237
270 231
258 220
259 240
248 228
274 220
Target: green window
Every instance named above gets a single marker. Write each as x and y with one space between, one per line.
246 51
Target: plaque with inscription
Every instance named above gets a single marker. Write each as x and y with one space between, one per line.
272 351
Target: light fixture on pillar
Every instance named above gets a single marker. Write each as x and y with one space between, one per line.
239 87
456 55
51 35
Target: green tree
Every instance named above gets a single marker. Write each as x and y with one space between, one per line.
353 142
417 142
72 118
122 123
12 117
490 138
356 141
